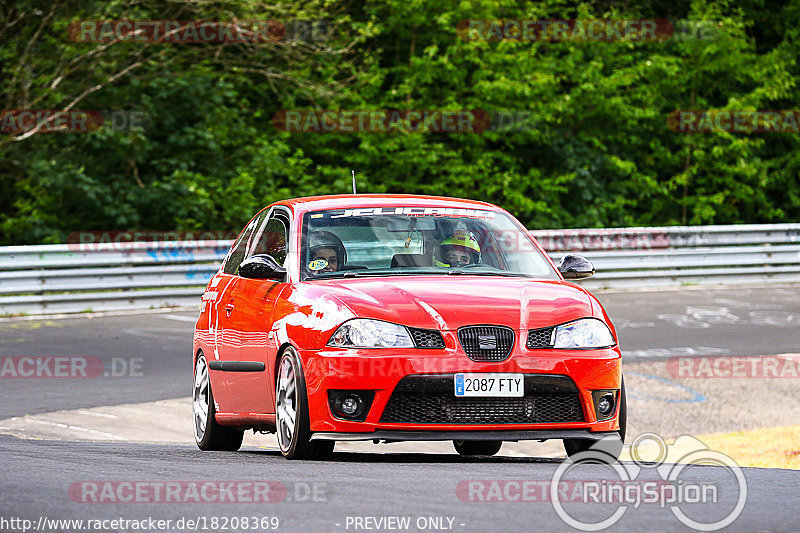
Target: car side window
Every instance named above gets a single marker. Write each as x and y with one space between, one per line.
271 238
239 250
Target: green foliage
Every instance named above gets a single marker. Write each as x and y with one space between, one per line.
595 149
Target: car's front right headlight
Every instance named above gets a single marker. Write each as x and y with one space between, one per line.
584 333
368 333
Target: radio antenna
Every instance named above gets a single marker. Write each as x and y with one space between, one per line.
354 181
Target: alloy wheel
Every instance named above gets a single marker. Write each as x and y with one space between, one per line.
200 398
286 403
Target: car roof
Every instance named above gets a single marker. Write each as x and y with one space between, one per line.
344 201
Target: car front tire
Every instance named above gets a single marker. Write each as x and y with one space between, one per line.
208 434
291 412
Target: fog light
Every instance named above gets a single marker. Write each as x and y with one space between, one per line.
606 405
350 405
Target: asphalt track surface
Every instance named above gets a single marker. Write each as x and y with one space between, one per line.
37 475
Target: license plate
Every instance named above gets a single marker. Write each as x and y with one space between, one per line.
493 385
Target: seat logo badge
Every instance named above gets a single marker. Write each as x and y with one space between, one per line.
487 342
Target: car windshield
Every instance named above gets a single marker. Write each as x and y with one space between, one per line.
403 241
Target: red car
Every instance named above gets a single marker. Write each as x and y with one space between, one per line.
394 317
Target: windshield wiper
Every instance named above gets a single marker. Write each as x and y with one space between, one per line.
484 273
437 272
345 274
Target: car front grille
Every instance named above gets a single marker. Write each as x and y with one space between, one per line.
540 338
430 399
426 338
486 343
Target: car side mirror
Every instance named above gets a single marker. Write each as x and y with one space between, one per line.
262 266
575 267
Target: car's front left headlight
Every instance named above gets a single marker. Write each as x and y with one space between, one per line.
584 333
368 333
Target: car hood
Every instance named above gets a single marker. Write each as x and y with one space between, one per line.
449 302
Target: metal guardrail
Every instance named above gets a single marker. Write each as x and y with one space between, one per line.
682 255
592 239
67 278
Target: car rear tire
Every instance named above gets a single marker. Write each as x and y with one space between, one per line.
606 450
208 434
291 412
477 447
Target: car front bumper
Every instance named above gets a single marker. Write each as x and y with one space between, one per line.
381 370
388 435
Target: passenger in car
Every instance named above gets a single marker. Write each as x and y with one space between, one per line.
326 251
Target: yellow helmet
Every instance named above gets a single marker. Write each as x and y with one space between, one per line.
464 242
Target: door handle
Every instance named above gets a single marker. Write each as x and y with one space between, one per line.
229 309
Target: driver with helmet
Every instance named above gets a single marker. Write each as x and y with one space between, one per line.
460 249
326 252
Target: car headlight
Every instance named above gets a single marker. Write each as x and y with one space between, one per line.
367 333
584 333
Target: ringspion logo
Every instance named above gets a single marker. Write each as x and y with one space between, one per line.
659 475
677 489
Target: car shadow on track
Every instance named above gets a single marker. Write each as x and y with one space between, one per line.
416 458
